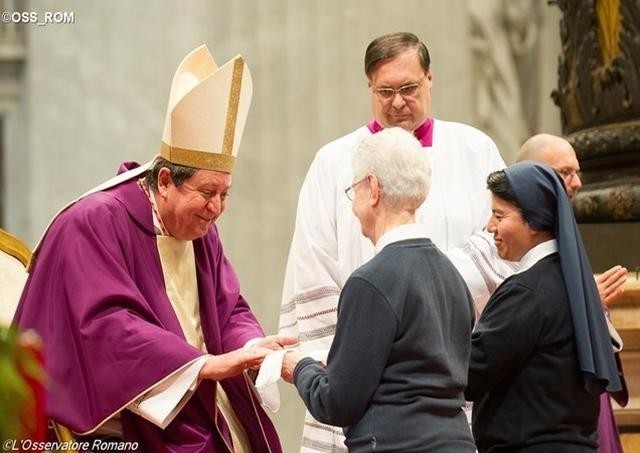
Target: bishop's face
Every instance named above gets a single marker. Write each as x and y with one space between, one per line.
190 209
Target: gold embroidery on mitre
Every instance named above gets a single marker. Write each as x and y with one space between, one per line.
232 111
197 159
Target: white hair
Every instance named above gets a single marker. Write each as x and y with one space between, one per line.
399 162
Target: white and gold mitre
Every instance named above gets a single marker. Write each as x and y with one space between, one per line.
207 112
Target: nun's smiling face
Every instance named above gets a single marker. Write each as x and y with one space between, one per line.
511 233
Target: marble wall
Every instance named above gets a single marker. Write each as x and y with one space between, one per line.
93 93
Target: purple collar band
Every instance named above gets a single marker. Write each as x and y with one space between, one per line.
424 133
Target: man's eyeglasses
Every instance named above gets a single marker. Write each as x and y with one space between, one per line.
406 91
350 191
568 175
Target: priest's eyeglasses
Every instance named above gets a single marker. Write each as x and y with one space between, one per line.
568 175
406 91
350 191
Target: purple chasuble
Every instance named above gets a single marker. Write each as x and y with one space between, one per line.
424 132
96 295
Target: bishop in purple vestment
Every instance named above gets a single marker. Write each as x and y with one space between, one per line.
119 324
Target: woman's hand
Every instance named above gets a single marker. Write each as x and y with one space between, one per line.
289 362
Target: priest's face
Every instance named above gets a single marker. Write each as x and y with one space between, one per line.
189 210
401 91
563 159
511 233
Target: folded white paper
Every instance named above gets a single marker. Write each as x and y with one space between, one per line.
269 374
266 382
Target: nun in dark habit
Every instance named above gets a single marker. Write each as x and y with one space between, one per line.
541 353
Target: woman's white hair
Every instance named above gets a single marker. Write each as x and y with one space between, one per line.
401 165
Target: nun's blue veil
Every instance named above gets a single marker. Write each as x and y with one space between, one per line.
543 199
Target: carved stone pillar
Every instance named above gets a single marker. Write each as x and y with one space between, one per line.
599 97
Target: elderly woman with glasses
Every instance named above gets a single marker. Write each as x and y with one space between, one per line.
396 371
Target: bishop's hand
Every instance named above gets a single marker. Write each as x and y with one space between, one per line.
232 363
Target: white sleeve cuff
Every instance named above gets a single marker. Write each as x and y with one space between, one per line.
616 340
165 400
